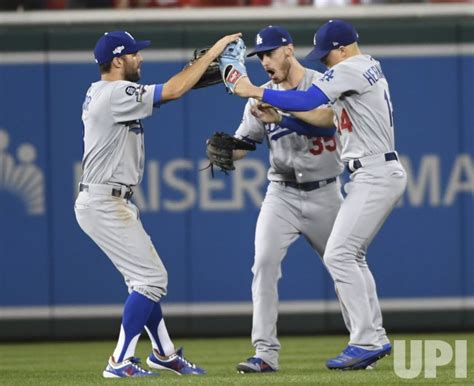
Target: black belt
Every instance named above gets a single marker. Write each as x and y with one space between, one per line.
113 191
308 186
356 164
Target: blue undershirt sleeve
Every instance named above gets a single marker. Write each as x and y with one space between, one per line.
157 95
303 128
294 100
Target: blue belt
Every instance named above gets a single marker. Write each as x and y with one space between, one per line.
357 164
308 186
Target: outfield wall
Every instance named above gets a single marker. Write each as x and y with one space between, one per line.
53 279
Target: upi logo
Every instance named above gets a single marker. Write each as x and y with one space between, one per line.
430 353
23 178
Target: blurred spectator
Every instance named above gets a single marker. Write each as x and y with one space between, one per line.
13 5
56 4
90 3
147 3
335 3
215 3
328 3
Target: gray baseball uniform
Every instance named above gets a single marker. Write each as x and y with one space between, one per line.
113 163
360 97
303 197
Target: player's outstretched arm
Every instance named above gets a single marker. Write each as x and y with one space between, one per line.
183 81
324 126
288 100
321 116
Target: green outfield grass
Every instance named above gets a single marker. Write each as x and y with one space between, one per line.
302 363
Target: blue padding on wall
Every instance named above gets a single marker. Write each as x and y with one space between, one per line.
193 219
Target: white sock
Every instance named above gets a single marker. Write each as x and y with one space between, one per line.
161 340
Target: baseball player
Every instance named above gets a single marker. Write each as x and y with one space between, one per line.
303 196
113 164
358 92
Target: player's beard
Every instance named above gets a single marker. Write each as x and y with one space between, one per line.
282 72
132 74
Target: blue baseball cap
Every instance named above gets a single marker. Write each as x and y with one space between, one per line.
117 43
332 35
269 38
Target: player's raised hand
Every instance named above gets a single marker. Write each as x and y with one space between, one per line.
266 113
221 44
232 64
183 81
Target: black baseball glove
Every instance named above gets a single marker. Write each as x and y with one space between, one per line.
212 75
220 149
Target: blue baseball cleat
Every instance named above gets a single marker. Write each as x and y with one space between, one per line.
254 365
175 363
354 358
129 368
387 349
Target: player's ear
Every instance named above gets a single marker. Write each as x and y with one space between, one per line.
343 51
290 50
117 62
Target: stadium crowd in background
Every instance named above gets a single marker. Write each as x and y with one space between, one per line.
11 5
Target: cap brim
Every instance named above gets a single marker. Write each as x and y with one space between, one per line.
141 44
262 49
317 54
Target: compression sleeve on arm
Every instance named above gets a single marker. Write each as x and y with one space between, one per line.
294 100
157 95
303 128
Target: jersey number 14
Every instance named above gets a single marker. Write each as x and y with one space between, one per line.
344 123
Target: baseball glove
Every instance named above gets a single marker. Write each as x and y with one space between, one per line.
232 64
212 75
220 150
